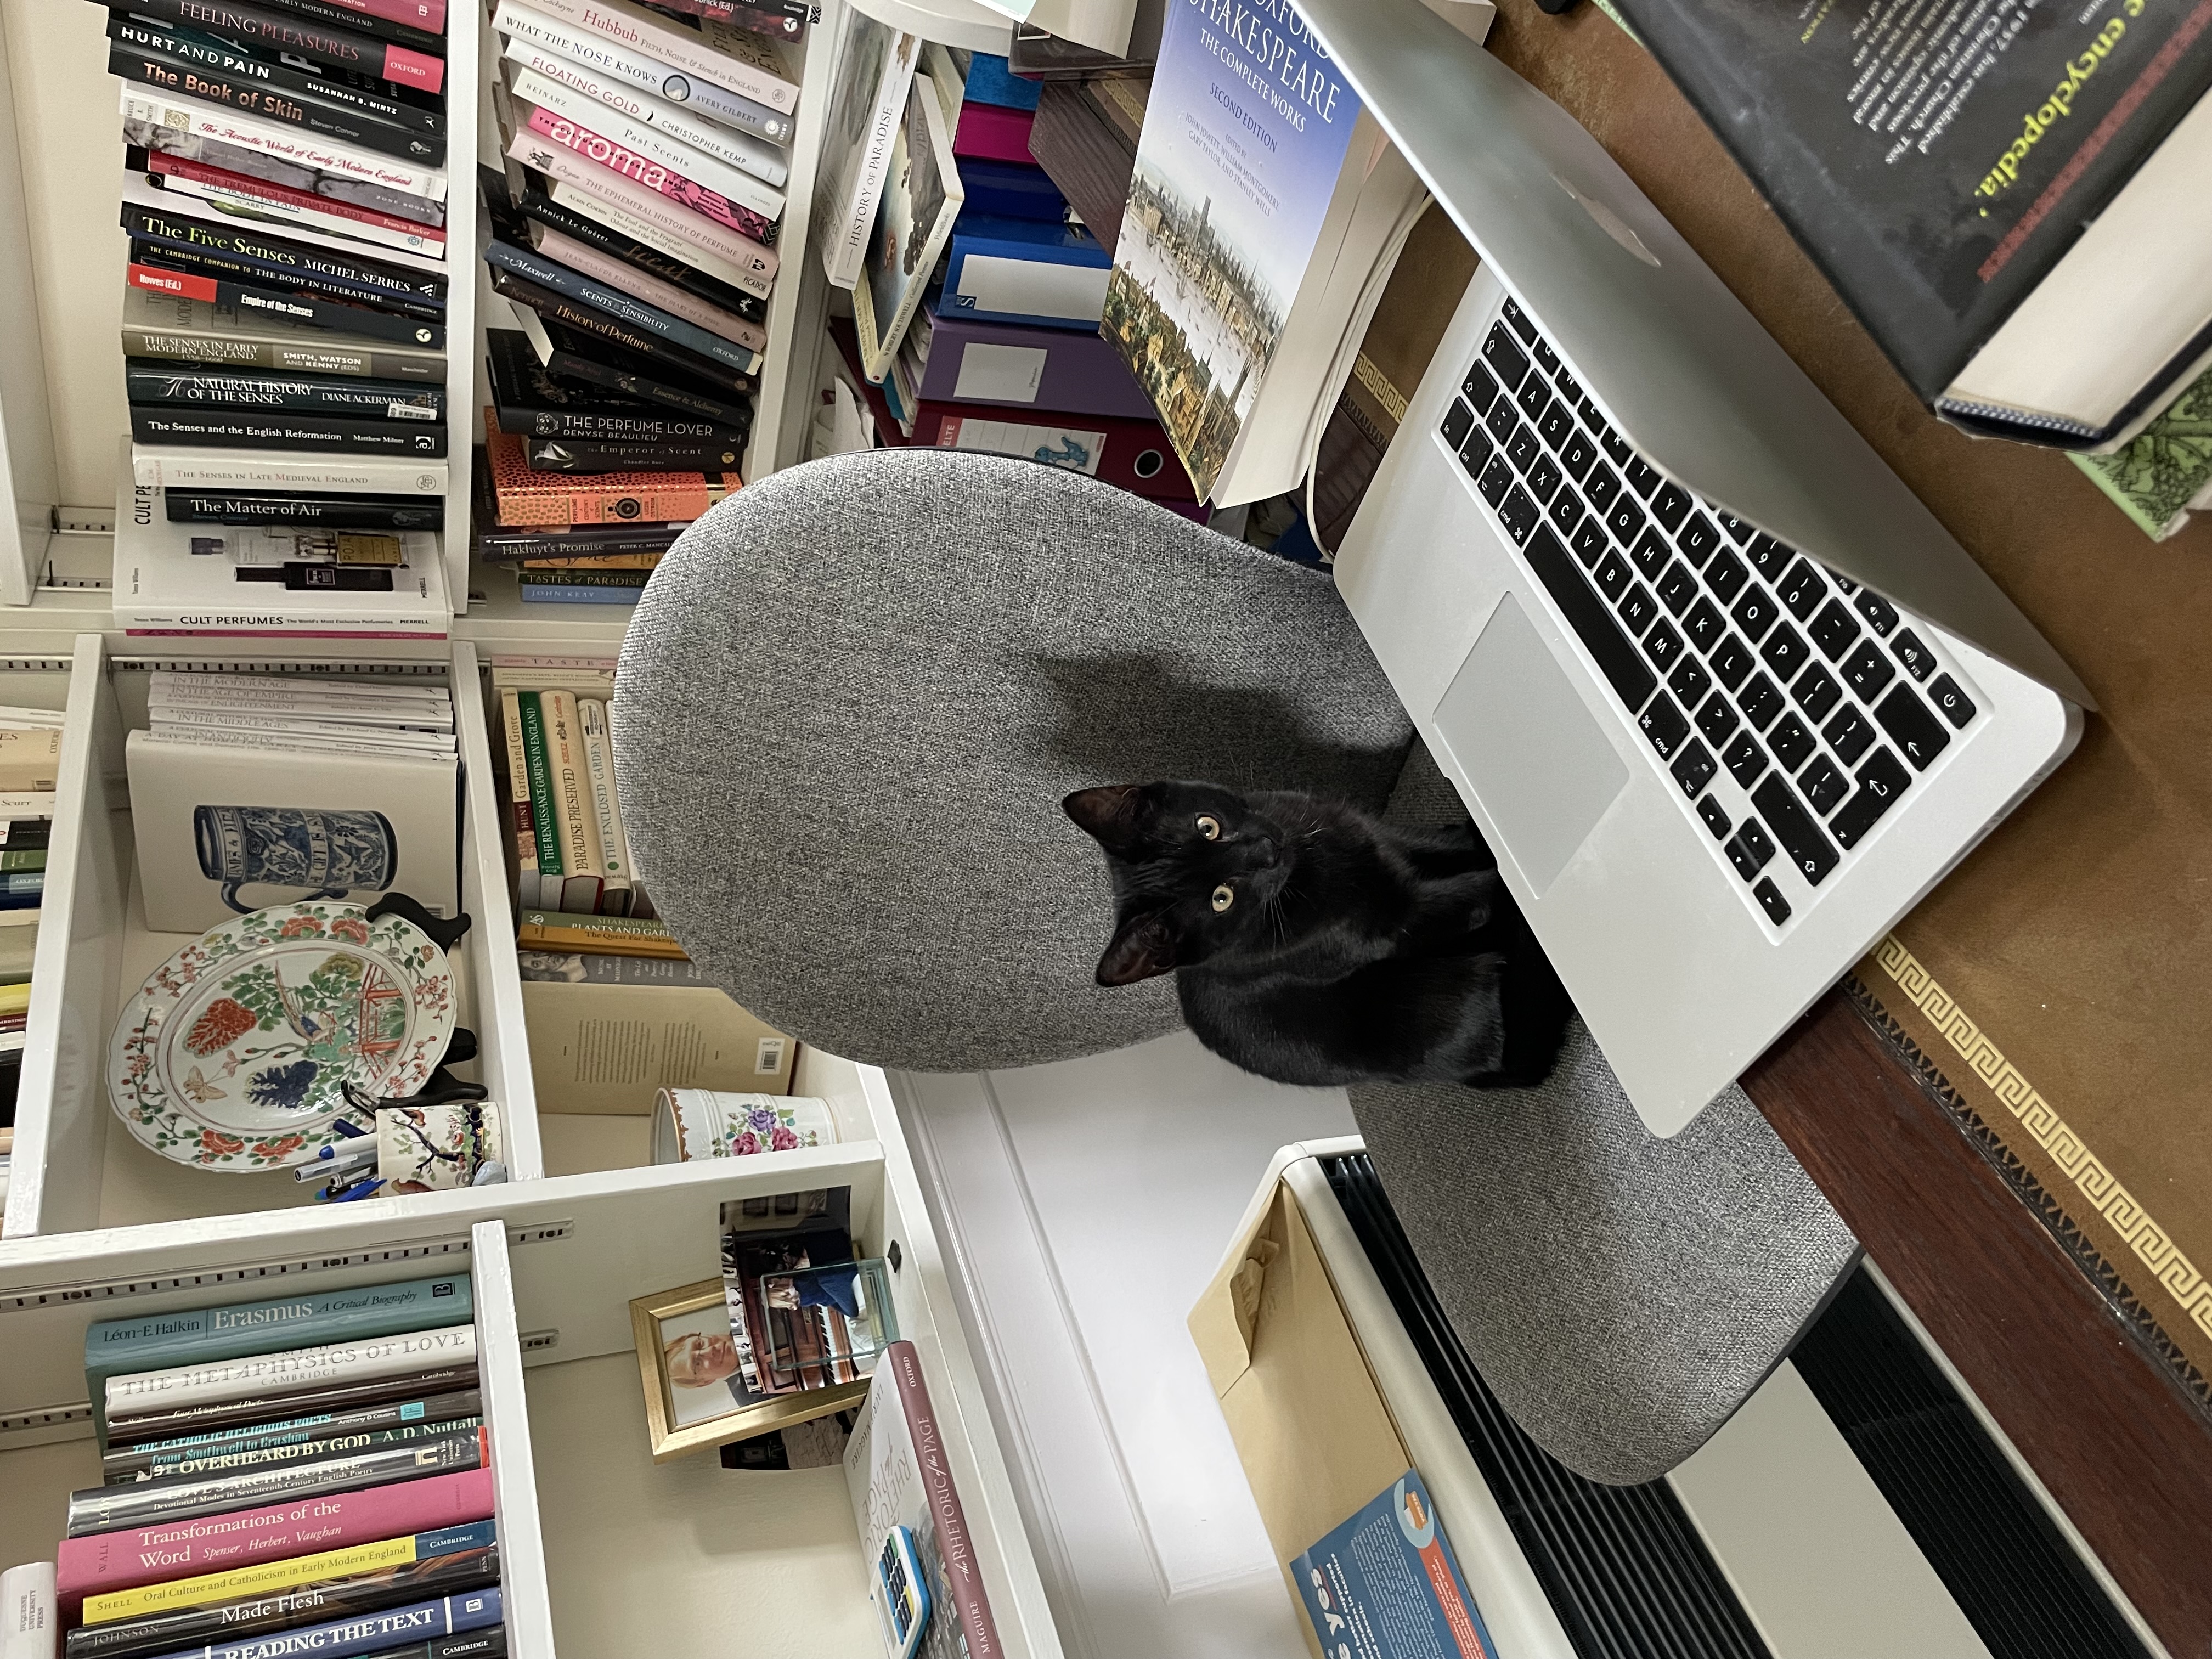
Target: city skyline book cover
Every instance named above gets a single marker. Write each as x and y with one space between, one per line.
1245 136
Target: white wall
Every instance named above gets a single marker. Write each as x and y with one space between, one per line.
69 135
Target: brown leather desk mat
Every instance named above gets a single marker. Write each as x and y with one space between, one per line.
2061 979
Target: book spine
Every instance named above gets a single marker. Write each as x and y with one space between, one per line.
407 402
304 309
963 1578
677 46
847 221
522 824
755 158
146 1502
644 256
337 123
338 21
318 212
641 285
571 366
194 507
737 1313
106 1562
162 255
621 308
305 433
267 1577
654 175
29 858
599 762
202 346
581 855
213 1382
610 58
393 285
189 469
205 1465
30 1611
409 63
632 579
418 1413
650 541
650 144
588 319
746 264
537 766
374 1633
779 17
211 54
427 15
583 456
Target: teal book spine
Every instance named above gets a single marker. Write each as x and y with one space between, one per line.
117 1347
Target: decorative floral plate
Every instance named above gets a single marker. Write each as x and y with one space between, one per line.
235 1052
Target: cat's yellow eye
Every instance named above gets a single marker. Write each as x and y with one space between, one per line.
1223 897
1210 827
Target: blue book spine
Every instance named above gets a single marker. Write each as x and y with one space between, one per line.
369 1632
992 81
1019 270
546 273
560 593
1390 1570
1007 190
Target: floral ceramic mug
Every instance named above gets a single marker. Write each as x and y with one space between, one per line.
695 1123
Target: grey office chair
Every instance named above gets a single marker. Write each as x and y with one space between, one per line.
849 708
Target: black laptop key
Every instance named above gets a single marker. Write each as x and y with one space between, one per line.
1502 419
1664 724
1614 576
1768 556
1670 506
1589 542
1521 325
1911 727
1697 538
1705 625
1834 630
1579 455
1558 424
1718 720
1717 820
1798 830
1643 477
1519 514
1637 609
1760 702
1737 529
1522 448
1541 349
1848 734
1474 454
1726 576
1505 357
1592 416
1691 681
1480 390
1588 616
1751 850
1880 613
1868 669
1919 661
1663 646
1651 554
1569 387
1824 784
1731 659
1497 478
1771 901
1755 611
1602 486
1791 743
1534 397
1544 478
1459 420
1678 587
1786 651
1625 521
1693 768
1952 700
1566 511
1816 692
1802 589
1841 581
1617 446
1744 759
1881 781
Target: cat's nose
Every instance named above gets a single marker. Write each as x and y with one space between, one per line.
1270 853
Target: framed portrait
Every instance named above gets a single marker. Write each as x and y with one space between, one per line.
695 1394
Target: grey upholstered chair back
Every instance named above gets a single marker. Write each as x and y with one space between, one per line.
856 691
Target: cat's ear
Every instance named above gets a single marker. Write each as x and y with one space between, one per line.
1144 945
1108 814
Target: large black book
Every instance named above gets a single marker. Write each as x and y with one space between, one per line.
313 29
305 110
318 433
224 268
636 344
256 300
533 402
371 96
254 506
1943 163
192 386
398 288
537 204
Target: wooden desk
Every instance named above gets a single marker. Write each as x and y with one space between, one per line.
2016 1303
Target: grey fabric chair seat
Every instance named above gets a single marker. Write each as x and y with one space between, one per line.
849 705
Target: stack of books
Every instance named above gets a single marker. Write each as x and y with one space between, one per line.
571 854
30 764
283 316
306 1475
634 227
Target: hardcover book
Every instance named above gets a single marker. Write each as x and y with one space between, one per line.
404 110
149 380
178 327
1017 271
755 157
204 467
378 1632
876 65
608 55
735 59
274 1577
334 513
248 198
203 1382
532 402
922 195
652 143
412 65
531 498
217 428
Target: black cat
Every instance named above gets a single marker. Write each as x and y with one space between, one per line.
1314 944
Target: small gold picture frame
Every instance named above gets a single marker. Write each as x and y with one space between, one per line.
705 1409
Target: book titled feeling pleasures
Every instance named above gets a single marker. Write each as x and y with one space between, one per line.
1265 205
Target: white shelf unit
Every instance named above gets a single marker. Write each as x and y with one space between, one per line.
602 1552
75 1168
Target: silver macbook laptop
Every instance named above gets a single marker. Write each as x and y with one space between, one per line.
1723 695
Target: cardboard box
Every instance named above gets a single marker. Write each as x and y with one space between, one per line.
610 1048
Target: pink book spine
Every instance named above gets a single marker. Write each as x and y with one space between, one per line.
414 69
426 15
988 133
654 175
963 1578
108 1561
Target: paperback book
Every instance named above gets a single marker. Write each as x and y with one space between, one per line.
404 1553
536 204
405 57
875 66
921 198
338 1397
599 365
180 328
338 122
247 197
611 57
530 498
285 141
607 134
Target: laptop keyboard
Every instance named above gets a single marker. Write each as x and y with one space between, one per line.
1792 709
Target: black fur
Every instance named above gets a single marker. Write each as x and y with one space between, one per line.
1349 950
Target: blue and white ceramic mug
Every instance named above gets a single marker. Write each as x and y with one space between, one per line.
330 853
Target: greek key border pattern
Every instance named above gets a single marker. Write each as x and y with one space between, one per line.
2103 1190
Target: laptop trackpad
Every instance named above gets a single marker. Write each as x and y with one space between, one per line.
1521 737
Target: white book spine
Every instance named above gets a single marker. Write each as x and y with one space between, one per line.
199 736
610 123
163 468
576 819
587 261
30 1614
363 711
702 97
846 219
292 144
26 803
672 43
181 684
211 1382
763 161
614 845
32 717
224 720
139 192
254 203
751 266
